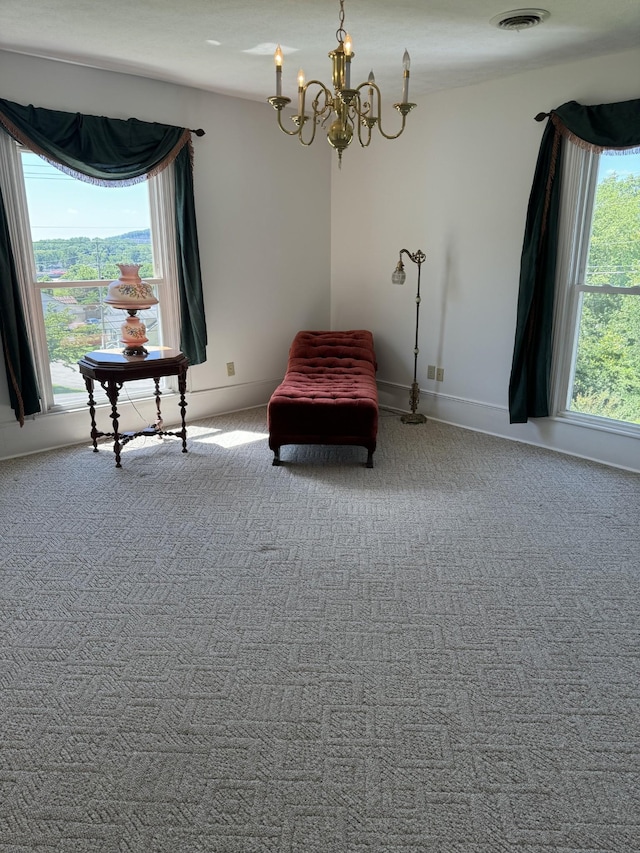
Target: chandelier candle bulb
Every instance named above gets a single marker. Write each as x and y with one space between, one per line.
348 50
300 91
278 60
406 64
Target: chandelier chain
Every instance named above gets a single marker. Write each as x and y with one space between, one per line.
341 32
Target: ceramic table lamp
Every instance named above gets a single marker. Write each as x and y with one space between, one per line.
131 294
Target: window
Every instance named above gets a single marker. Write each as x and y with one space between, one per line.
597 327
68 238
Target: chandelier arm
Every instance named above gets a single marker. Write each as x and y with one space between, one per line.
309 141
367 142
328 97
366 119
284 129
372 85
394 135
362 122
318 111
377 118
316 115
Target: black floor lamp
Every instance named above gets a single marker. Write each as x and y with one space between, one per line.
399 277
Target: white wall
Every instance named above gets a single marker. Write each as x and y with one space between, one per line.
263 211
289 242
456 185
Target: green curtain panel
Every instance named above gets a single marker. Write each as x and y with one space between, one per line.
193 330
106 151
605 127
21 375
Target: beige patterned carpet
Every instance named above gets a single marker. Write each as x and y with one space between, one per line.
203 653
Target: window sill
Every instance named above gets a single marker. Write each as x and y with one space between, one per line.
79 402
605 425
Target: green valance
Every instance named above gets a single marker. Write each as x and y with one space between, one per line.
104 150
606 127
111 152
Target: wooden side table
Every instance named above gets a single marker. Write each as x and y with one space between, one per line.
112 369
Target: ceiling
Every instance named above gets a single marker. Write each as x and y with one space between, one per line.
451 42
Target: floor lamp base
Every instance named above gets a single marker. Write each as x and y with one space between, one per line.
413 418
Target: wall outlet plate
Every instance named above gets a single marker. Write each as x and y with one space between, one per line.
439 374
431 371
231 369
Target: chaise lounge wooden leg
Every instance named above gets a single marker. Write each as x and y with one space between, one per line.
370 459
276 457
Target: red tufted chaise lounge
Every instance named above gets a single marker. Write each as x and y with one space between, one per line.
329 393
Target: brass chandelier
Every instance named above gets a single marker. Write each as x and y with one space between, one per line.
348 110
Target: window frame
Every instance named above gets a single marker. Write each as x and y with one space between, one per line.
163 239
579 171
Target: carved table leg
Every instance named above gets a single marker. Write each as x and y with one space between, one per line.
182 387
92 411
113 389
158 424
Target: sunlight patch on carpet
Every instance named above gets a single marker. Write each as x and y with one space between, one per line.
233 438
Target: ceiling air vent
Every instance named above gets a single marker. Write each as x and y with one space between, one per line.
520 19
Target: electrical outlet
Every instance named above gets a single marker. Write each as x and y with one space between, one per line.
431 371
231 369
440 374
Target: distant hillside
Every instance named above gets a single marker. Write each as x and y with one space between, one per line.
84 258
135 236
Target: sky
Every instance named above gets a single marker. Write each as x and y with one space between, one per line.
60 206
621 164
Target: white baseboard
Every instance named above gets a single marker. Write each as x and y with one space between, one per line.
48 432
230 398
586 441
61 429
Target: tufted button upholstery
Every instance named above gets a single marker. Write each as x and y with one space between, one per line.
329 393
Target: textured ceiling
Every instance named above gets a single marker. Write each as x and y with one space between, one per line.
451 42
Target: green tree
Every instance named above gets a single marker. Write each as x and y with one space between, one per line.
614 251
81 272
607 374
66 342
102 254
